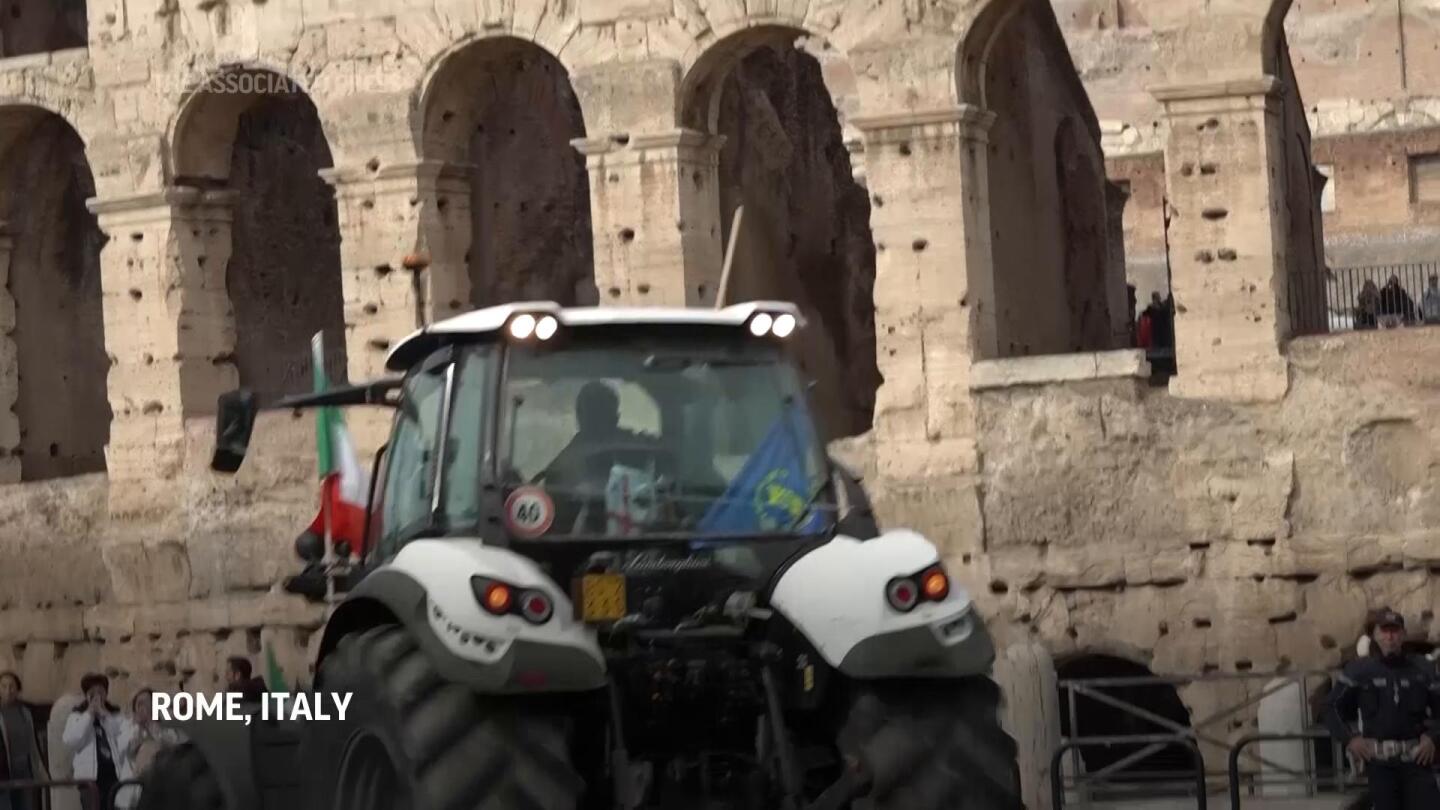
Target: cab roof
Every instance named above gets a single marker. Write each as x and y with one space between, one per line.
490 320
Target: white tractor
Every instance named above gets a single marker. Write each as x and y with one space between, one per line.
609 564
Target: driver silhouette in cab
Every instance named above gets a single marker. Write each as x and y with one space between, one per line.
578 475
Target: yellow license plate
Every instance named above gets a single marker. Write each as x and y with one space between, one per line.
602 597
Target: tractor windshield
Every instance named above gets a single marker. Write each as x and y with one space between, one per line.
658 437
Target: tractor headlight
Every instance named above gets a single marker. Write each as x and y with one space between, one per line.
784 325
522 326
760 324
780 325
526 326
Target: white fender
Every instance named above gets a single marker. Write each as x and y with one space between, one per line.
443 568
835 597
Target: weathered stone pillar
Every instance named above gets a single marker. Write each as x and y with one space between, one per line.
934 283
169 330
1026 675
9 370
1116 197
386 215
655 214
1225 182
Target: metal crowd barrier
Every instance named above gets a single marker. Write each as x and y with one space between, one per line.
40 786
1057 784
1233 768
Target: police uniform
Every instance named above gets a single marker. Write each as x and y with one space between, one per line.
1398 700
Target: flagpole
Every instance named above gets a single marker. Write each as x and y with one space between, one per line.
317 345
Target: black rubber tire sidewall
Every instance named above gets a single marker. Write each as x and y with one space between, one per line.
969 761
180 778
452 748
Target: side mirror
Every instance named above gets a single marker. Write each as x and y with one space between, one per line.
234 420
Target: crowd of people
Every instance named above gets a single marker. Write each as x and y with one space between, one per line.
102 744
1390 306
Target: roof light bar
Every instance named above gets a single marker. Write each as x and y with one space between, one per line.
525 326
780 325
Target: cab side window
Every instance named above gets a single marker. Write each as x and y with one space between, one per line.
411 458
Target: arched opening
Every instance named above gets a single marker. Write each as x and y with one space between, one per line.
1094 718
58 366
40 26
806 231
265 143
1080 179
506 108
1055 289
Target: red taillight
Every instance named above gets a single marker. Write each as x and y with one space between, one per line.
930 585
902 594
536 607
498 598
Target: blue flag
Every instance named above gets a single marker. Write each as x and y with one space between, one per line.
770 492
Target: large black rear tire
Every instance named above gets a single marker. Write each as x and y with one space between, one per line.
940 741
180 778
413 741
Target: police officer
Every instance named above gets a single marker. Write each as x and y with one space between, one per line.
1398 700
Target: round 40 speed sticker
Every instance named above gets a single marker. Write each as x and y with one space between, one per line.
529 512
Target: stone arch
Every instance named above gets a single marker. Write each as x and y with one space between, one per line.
41 26
1055 291
1094 718
256 133
54 408
504 110
1273 49
977 48
806 234
1079 177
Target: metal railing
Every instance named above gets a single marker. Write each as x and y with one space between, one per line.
1154 732
41 787
1312 781
1057 778
1344 299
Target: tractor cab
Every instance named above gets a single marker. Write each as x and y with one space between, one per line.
583 438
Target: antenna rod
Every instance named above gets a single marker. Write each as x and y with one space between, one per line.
729 257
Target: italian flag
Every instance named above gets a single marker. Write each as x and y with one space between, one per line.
344 483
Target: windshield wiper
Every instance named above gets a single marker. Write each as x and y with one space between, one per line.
655 361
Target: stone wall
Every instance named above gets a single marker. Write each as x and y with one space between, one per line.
1369 76
940 207
1113 517
258 174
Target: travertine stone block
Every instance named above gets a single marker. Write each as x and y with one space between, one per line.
655 209
934 281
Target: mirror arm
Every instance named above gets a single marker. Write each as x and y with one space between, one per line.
371 393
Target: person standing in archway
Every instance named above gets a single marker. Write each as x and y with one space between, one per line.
1397 698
